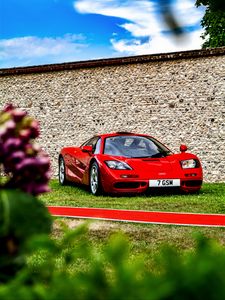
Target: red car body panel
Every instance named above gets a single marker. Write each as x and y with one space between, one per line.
136 180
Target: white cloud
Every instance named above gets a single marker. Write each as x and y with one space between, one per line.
35 50
115 8
187 12
139 13
158 44
144 20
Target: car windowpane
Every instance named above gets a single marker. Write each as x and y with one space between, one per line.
97 147
91 142
134 146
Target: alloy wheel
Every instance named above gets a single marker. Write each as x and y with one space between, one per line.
94 179
61 171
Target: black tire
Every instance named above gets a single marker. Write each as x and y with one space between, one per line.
62 171
95 180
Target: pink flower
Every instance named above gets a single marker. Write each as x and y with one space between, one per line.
27 164
18 115
8 107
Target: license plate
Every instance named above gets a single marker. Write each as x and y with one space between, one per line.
164 182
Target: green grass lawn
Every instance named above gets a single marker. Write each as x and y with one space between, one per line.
145 239
211 199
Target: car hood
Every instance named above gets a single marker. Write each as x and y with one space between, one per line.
164 167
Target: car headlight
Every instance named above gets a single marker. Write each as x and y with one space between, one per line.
117 165
189 164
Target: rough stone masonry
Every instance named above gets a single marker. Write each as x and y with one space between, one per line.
177 98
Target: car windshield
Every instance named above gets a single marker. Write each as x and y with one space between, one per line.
135 147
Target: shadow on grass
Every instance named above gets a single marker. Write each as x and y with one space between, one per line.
153 192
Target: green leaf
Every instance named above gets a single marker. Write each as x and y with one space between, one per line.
22 215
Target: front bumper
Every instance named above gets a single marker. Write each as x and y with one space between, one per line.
112 182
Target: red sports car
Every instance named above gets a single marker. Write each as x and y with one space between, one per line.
125 162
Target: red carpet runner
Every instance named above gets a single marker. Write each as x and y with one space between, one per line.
139 216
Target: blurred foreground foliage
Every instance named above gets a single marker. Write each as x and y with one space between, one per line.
22 216
111 274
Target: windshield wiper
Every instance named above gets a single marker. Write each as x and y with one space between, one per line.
157 155
161 154
141 156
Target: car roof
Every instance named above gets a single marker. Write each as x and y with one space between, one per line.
120 133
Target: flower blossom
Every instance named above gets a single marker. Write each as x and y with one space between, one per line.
27 165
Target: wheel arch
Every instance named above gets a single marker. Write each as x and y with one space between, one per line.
93 160
100 189
89 169
60 156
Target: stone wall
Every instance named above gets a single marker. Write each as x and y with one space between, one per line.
178 98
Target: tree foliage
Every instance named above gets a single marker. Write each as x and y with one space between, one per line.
213 23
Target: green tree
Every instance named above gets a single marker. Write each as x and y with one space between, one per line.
213 23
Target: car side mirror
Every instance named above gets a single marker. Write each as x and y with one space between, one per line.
88 149
183 148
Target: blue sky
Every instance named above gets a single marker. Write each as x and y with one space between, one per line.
35 32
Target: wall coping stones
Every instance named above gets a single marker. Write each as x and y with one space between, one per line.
113 61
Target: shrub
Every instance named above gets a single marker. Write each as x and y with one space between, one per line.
111 275
27 168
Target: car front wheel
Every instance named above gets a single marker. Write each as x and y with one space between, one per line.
95 181
62 171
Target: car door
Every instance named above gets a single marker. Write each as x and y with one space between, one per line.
83 158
